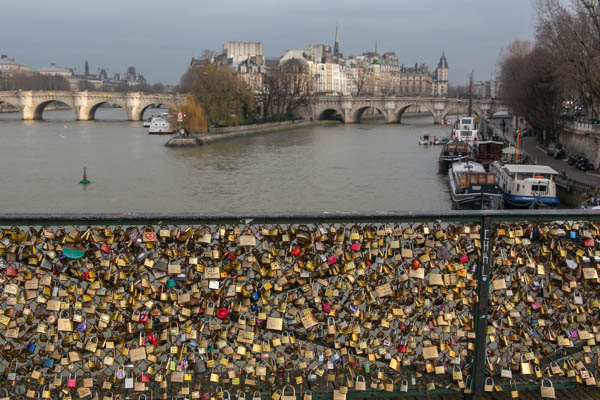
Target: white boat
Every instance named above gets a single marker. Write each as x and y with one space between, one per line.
428 139
147 122
472 187
160 126
526 186
465 130
466 123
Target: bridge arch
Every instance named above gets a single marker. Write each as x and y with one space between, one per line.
402 108
38 111
330 113
357 112
6 102
458 110
91 113
168 105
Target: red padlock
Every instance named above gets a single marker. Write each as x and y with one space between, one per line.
326 307
331 259
11 272
144 317
71 382
231 256
223 312
105 248
464 258
144 378
355 246
415 263
402 348
295 251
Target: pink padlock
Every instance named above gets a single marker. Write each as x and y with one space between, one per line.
355 246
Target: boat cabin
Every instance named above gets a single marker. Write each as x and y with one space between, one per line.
472 176
466 123
486 152
465 135
526 180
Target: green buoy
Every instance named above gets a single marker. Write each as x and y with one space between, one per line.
84 181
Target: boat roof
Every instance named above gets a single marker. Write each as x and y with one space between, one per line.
529 169
488 142
467 167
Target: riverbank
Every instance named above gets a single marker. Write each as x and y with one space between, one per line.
229 133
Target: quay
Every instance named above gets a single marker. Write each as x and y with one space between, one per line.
228 133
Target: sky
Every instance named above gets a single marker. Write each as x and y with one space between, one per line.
159 38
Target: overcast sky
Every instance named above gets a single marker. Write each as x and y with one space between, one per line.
159 38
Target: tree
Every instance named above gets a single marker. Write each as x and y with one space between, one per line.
285 88
571 34
194 118
225 99
531 87
87 68
359 78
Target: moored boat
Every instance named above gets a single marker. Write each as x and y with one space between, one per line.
452 152
486 152
427 139
526 186
160 126
472 187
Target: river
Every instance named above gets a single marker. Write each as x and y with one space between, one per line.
356 167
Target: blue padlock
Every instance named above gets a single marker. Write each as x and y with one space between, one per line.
31 347
48 363
255 296
171 283
573 234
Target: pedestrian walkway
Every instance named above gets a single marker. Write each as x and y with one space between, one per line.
540 157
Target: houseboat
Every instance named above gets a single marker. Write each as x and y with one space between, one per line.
486 152
452 152
526 186
472 187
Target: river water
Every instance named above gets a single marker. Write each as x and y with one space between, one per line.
357 167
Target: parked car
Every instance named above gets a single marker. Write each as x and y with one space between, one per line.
551 149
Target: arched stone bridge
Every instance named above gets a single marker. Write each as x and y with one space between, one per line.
351 108
31 104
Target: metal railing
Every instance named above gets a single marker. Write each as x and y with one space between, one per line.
468 249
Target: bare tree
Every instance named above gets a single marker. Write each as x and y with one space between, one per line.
285 88
359 78
531 87
571 34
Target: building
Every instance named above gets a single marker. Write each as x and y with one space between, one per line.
440 78
54 70
246 59
9 65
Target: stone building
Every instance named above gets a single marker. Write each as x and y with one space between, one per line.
440 78
9 65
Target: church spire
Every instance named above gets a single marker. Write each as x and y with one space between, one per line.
336 44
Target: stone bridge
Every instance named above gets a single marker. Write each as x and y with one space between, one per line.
351 108
31 104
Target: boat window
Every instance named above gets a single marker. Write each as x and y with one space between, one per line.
518 187
538 188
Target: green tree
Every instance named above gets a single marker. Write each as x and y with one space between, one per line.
225 99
